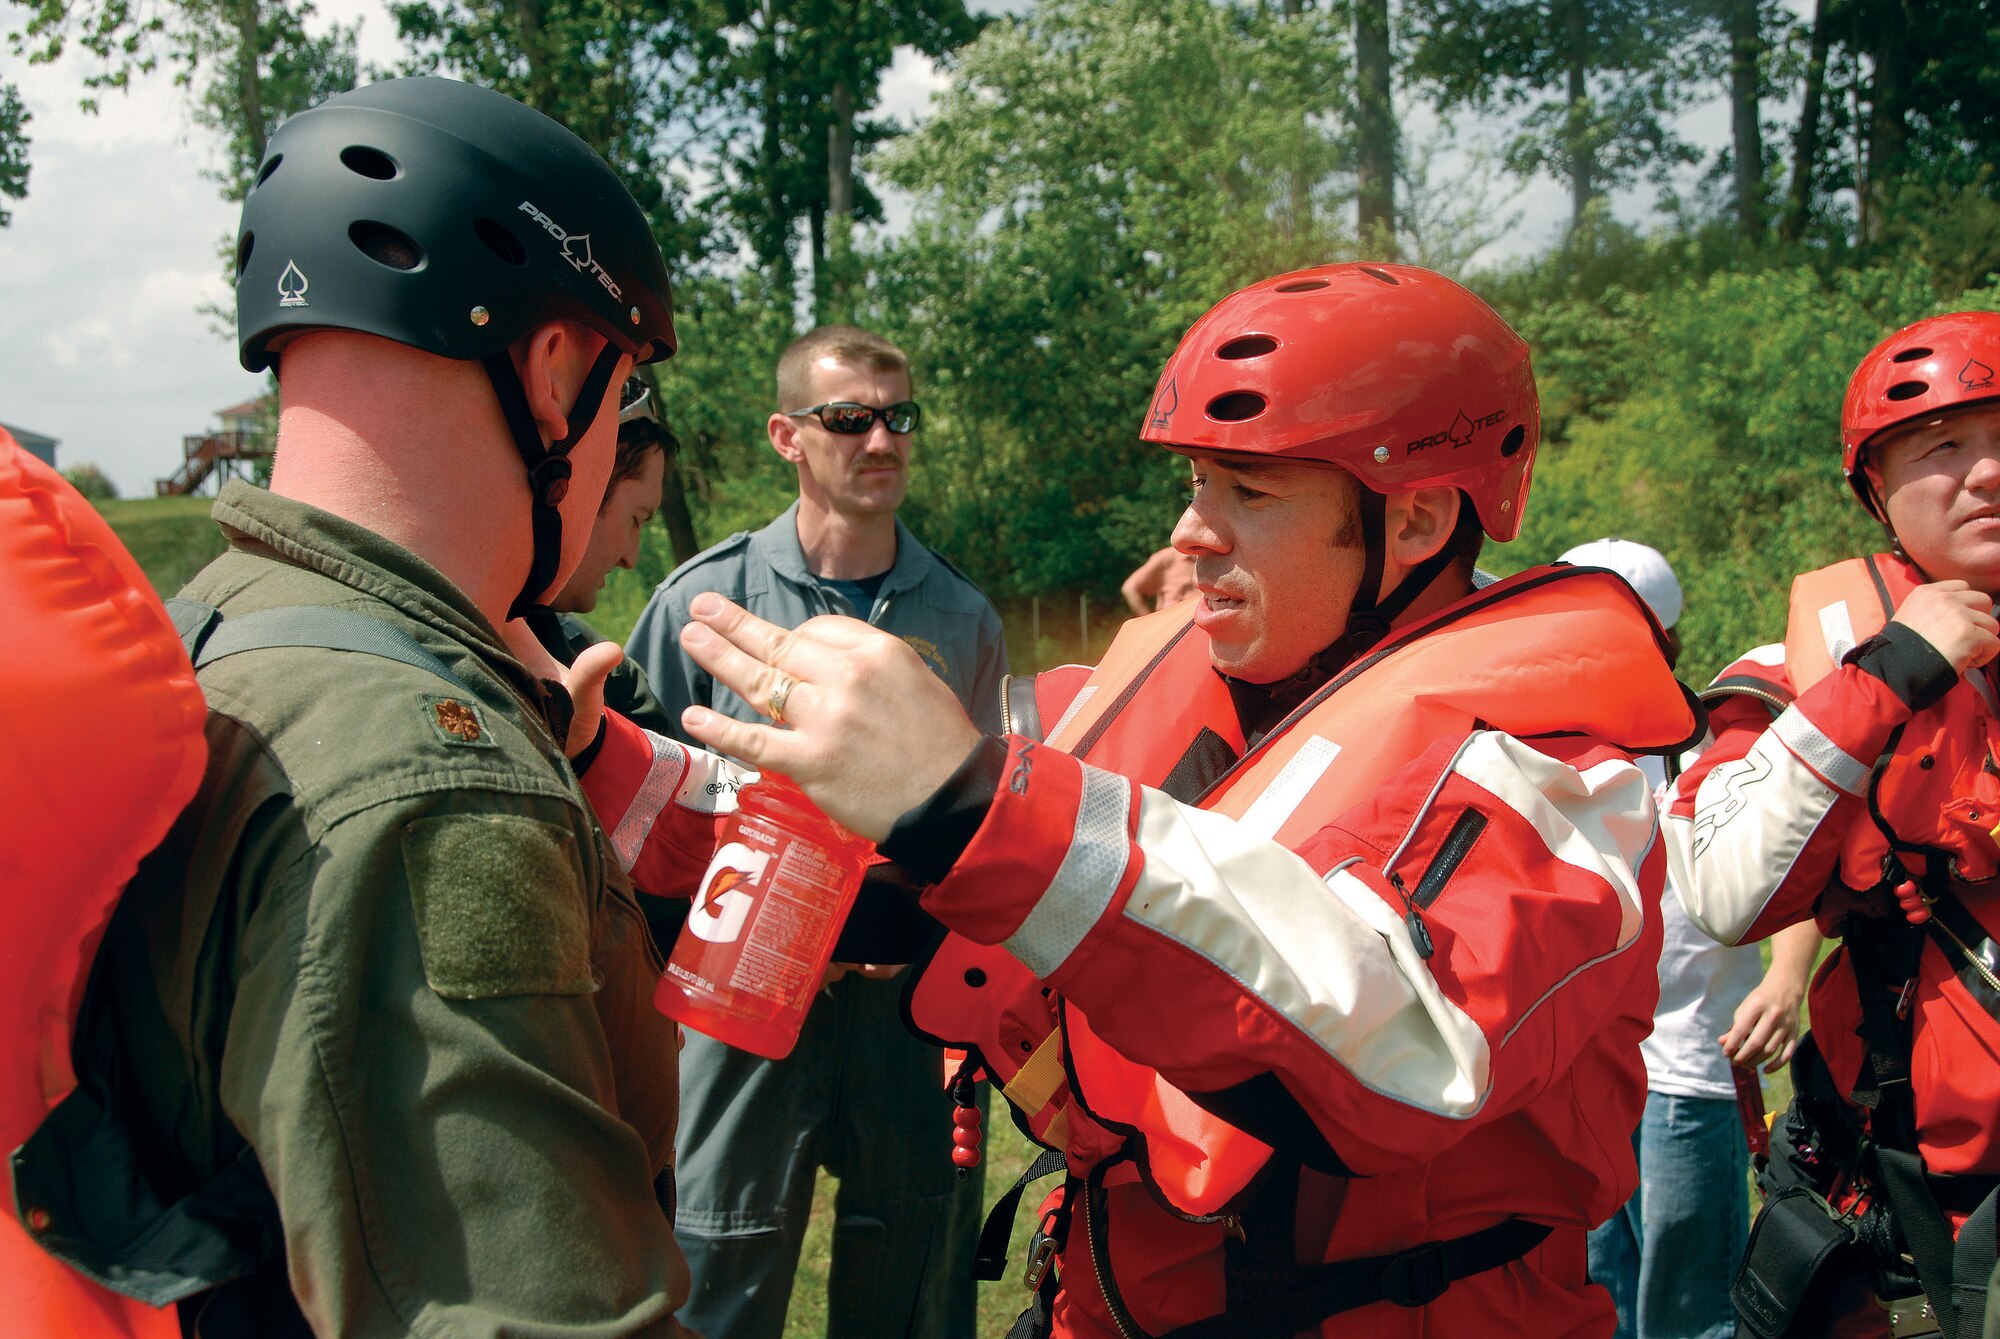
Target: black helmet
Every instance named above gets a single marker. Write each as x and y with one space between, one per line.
447 217
456 220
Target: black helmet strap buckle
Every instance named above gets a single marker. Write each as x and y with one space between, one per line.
548 466
1371 614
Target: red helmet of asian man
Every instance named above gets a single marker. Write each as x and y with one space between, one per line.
1922 370
1394 373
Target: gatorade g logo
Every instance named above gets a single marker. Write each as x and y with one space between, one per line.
724 902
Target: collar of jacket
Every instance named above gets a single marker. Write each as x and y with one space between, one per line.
777 546
304 536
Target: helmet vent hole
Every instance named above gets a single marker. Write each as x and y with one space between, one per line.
500 241
1382 275
1911 355
1908 390
385 245
372 163
1247 346
1301 286
244 247
264 173
1512 441
1236 406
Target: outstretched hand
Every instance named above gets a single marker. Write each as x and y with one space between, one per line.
869 732
584 679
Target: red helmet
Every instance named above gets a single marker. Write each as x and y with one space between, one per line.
1926 368
1396 374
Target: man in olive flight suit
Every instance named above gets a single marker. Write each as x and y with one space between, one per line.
369 1045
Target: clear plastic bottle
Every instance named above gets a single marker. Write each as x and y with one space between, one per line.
764 921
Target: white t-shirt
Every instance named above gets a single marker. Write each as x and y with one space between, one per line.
1701 983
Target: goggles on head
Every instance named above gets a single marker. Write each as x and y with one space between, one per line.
636 403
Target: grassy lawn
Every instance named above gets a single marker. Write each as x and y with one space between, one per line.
172 537
1008 1154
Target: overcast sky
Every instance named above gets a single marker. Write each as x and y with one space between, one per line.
110 259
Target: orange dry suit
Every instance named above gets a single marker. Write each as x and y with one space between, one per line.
1368 992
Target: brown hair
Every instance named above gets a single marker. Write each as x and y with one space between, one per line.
842 343
636 440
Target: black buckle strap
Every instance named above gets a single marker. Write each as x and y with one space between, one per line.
989 1260
1413 1278
1417 1277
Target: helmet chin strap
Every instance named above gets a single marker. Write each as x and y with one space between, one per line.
548 465
1371 614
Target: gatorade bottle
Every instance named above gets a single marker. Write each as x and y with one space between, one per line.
764 921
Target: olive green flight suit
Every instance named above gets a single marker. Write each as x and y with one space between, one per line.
385 965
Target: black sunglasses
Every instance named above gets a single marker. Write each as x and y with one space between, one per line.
851 420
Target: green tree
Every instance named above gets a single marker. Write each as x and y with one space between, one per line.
14 120
624 75
1594 83
1098 173
1703 417
87 479
247 63
797 88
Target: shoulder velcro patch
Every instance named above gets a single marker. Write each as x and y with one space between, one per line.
500 906
457 721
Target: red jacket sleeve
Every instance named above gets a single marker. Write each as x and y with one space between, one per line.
1754 828
1214 955
661 803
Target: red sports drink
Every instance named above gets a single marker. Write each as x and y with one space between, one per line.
762 929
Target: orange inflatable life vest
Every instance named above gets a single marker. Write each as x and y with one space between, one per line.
1936 787
1551 650
101 745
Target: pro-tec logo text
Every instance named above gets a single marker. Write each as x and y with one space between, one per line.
575 249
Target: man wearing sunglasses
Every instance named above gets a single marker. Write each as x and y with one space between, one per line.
859 1095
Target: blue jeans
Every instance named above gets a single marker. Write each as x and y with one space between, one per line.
1670 1254
865 1099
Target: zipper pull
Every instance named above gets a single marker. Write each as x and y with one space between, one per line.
1420 935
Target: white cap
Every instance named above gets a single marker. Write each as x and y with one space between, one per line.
1646 568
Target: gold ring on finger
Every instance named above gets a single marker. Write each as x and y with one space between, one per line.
779 696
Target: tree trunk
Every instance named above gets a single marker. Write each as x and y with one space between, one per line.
839 203
249 86
822 278
541 89
1300 214
776 248
1375 126
1805 145
1582 153
674 514
1889 95
1746 50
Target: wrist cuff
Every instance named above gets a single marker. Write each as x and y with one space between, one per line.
1914 670
930 838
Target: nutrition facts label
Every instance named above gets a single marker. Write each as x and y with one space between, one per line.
803 896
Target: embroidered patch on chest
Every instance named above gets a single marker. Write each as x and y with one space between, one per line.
457 722
931 654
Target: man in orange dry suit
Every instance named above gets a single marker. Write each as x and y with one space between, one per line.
1320 933
1853 781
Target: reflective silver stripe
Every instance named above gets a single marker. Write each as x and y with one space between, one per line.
1837 630
670 764
1268 812
1089 875
1815 750
1076 705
